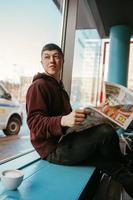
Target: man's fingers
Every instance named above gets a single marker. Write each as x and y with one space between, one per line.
80 115
79 120
80 110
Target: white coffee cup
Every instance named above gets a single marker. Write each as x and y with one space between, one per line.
11 178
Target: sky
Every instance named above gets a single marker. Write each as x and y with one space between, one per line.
26 25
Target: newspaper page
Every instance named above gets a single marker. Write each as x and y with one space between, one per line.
118 104
116 109
92 119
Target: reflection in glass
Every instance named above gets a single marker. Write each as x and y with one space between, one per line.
86 76
86 68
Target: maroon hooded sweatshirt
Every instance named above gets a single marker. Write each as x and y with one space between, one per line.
46 103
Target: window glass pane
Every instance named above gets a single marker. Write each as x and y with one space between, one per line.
86 68
26 25
1 92
105 52
130 71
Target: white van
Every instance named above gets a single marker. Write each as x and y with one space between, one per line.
10 113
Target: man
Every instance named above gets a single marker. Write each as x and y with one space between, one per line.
49 114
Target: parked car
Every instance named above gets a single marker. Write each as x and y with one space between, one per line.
10 113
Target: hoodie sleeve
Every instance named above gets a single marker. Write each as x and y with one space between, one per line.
39 120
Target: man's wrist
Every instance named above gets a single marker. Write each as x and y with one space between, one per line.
63 121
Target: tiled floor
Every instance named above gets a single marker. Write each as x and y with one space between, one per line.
125 196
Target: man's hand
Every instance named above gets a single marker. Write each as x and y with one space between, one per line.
74 118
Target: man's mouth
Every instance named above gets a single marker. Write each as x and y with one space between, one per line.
52 66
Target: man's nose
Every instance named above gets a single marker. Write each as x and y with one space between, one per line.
52 59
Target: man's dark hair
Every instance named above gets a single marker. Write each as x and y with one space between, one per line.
51 47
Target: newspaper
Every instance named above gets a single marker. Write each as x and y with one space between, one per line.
116 109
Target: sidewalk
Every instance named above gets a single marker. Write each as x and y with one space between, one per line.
13 146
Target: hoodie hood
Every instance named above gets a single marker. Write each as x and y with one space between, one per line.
47 77
40 75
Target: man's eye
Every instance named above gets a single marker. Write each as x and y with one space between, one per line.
57 57
46 57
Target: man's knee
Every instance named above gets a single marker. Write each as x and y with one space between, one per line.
107 130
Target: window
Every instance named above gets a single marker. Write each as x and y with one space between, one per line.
86 63
2 92
105 52
26 25
130 71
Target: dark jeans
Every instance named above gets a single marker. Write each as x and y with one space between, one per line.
97 146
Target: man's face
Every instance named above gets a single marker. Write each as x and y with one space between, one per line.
52 62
